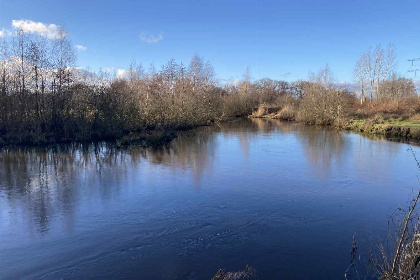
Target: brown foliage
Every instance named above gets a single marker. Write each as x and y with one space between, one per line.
399 108
322 103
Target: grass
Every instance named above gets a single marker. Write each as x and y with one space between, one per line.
391 127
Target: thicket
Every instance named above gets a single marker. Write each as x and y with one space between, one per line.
323 101
44 98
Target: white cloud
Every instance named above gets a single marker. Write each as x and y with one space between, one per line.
46 30
121 73
117 73
81 48
150 39
230 82
2 33
236 82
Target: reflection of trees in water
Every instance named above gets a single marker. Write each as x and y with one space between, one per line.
190 150
30 178
243 130
272 125
320 145
369 155
324 147
195 149
39 182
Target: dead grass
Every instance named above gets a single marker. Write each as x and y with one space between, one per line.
287 113
261 111
387 108
408 264
415 117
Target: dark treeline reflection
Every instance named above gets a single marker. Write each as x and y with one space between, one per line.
41 182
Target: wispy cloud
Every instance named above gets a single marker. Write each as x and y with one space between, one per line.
5 33
109 69
46 30
81 48
286 75
150 39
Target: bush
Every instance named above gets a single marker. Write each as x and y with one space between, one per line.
322 103
287 113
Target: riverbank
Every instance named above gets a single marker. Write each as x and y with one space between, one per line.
393 127
401 123
158 136
145 137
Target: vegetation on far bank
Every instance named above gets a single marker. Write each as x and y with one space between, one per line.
385 103
45 99
383 117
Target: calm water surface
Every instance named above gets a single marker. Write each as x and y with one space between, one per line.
283 198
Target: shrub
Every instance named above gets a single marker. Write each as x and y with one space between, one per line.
287 113
322 103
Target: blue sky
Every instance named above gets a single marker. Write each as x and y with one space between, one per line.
277 39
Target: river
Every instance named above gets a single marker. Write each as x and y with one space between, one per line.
281 197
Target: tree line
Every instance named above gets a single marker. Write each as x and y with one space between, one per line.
376 76
44 98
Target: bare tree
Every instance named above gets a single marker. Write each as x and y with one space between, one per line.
397 87
19 47
391 61
63 58
374 68
4 60
201 73
170 74
378 65
322 102
37 59
361 74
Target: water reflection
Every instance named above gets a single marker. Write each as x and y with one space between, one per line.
39 183
260 192
191 150
321 146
